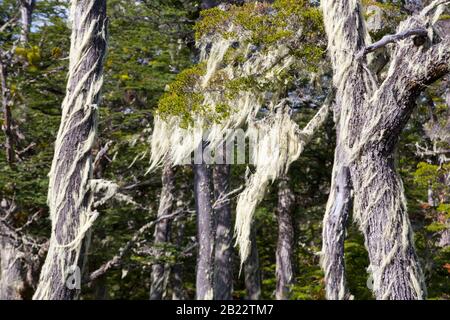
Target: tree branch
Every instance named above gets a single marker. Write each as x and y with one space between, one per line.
118 258
390 38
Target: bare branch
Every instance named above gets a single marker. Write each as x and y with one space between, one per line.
102 152
8 23
30 220
390 38
225 198
118 258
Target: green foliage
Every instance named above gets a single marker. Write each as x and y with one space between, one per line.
150 42
262 26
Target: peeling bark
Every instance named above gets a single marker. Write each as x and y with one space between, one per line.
162 231
252 271
223 249
205 234
284 252
70 198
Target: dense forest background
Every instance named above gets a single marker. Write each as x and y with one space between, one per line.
150 43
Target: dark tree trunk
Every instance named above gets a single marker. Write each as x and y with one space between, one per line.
223 250
162 231
205 234
284 252
252 271
178 292
70 198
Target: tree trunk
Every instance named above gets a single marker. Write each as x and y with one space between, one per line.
7 119
162 231
370 117
178 292
223 250
69 197
205 234
252 272
333 237
284 252
384 221
12 267
26 10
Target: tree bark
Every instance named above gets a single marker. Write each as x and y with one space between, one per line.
333 237
70 197
284 252
26 10
7 118
178 292
13 282
205 234
370 118
162 231
252 271
223 249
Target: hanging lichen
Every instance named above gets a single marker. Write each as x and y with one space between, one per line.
249 57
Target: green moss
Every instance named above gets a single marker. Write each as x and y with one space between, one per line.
444 17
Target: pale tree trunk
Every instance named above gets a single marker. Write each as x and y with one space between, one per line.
20 256
162 231
7 118
13 281
70 197
252 272
205 232
223 249
333 233
26 10
284 252
370 117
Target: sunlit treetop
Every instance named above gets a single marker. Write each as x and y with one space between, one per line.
266 48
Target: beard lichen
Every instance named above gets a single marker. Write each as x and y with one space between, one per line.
250 56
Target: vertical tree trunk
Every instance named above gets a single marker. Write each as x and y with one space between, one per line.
7 119
178 292
162 231
252 271
333 236
284 252
223 264
26 10
69 196
381 208
205 234
12 269
370 117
